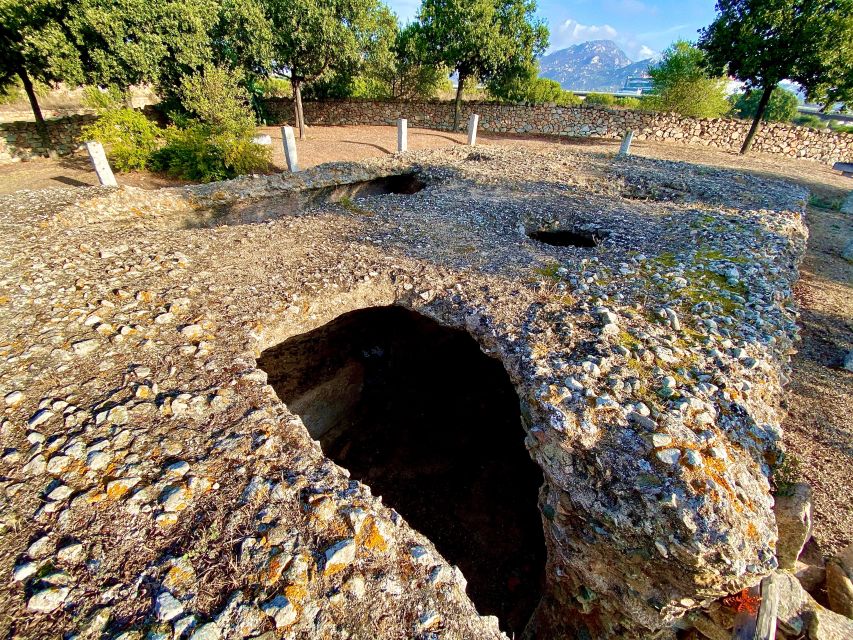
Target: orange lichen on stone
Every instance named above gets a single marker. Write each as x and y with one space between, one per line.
374 538
272 572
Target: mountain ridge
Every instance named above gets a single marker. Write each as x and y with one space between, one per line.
596 65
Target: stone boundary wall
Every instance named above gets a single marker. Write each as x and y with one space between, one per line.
793 141
21 141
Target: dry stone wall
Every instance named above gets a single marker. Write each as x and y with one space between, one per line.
21 140
798 142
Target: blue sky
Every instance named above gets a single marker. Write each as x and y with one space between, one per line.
641 28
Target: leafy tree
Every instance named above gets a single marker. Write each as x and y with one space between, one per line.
36 47
482 38
782 106
215 141
529 88
682 84
403 71
762 42
313 38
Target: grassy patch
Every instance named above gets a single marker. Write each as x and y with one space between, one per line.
549 270
705 254
833 204
347 203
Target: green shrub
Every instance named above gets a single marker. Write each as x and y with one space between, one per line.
810 121
629 103
214 96
841 128
212 140
204 153
599 100
782 106
786 474
569 99
129 138
275 87
104 99
12 92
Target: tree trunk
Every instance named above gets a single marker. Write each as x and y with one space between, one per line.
41 125
297 100
762 107
457 107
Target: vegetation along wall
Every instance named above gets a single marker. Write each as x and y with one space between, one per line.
20 141
813 144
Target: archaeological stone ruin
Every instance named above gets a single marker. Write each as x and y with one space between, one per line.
486 393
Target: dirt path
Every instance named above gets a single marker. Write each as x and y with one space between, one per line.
819 428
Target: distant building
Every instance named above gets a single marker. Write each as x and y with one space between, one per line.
637 85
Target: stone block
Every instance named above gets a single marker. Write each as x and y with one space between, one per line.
839 582
794 520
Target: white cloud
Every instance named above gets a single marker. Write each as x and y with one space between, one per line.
573 32
646 52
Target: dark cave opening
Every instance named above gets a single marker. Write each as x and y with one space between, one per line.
419 413
288 203
566 238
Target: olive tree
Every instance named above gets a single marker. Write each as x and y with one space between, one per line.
313 38
35 46
763 42
481 38
683 85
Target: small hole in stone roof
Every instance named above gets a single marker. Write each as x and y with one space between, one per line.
567 237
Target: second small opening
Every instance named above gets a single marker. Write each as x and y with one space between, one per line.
566 238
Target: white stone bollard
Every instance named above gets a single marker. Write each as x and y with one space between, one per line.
100 164
402 135
625 149
473 123
289 142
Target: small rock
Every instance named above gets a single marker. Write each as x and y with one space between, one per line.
60 493
339 556
167 607
175 498
669 456
839 582
794 520
14 398
660 440
23 571
71 553
98 460
281 611
192 331
209 631
48 600
39 418
85 347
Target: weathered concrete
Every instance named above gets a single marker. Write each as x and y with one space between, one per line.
138 424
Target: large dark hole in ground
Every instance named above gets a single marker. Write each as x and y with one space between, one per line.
567 238
290 203
416 411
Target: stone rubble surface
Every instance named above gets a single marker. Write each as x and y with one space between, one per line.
153 485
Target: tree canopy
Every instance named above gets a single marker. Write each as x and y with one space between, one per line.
316 37
782 106
762 42
682 83
481 38
35 46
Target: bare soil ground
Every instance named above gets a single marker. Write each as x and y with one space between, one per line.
818 429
